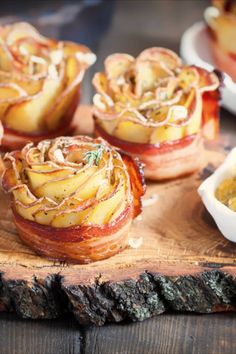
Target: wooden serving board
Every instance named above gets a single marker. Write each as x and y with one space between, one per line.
183 264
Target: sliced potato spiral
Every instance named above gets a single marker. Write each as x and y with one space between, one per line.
150 99
77 184
39 81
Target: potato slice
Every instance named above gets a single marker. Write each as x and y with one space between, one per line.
148 73
42 167
45 217
71 48
60 189
188 77
103 190
9 179
23 195
57 113
9 94
132 132
28 116
31 154
27 212
6 62
208 81
109 125
125 100
118 210
167 133
3 108
116 65
159 54
91 186
102 212
64 101
185 110
26 83
70 219
23 30
76 156
38 178
100 83
195 122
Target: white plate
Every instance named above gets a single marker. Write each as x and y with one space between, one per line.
195 49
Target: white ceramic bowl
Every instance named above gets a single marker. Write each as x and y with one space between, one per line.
224 217
195 49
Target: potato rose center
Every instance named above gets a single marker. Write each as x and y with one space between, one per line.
68 182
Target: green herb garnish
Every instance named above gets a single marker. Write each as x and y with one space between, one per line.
94 156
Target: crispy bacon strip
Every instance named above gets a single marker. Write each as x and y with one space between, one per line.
81 244
209 86
138 185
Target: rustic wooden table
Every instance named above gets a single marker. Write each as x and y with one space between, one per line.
135 25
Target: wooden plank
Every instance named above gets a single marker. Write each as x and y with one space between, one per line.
183 264
17 336
169 334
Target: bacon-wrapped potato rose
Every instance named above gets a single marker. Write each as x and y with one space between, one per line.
73 198
221 21
157 109
39 84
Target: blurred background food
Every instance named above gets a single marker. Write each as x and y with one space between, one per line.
221 22
39 83
109 26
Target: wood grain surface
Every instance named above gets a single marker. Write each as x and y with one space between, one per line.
165 334
183 263
19 336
